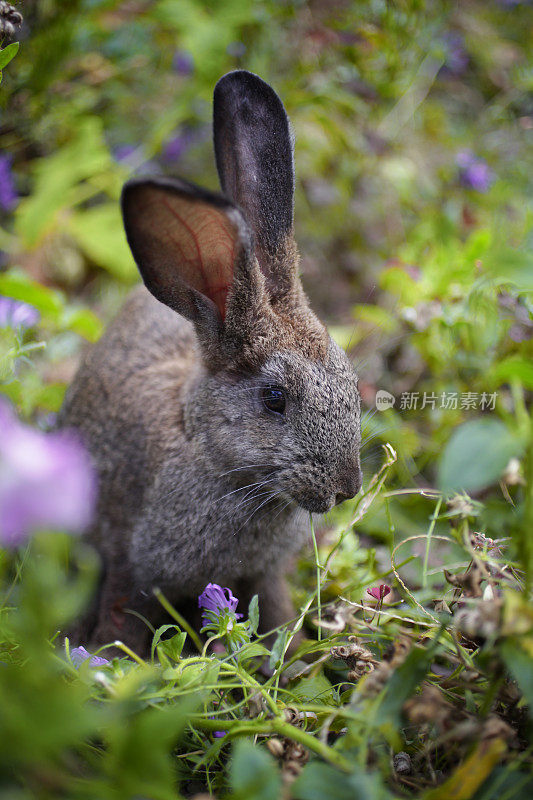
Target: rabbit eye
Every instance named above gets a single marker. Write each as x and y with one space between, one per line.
273 399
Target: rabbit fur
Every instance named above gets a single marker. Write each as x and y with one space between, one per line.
200 480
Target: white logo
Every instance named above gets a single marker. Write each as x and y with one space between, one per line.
384 400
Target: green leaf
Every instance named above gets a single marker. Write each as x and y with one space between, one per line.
253 650
100 233
512 368
253 613
20 287
137 759
159 633
314 689
507 265
476 455
51 304
172 647
56 177
8 53
519 663
403 683
507 782
469 775
319 781
278 648
253 774
83 322
379 318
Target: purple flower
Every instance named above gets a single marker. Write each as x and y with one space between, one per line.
183 62
474 172
8 193
79 654
15 314
46 481
213 598
456 56
379 592
176 146
236 49
123 152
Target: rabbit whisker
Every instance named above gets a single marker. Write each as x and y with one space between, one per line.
254 494
368 439
247 520
250 497
246 466
287 504
275 508
241 489
367 416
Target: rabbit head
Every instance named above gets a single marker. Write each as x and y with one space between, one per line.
273 395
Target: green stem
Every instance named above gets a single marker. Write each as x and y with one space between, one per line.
317 564
527 539
490 695
282 728
428 541
179 619
129 652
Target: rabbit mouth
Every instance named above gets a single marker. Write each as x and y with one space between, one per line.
315 504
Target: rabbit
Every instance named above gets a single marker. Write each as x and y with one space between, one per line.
218 411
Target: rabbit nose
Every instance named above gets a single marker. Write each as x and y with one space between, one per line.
351 485
340 498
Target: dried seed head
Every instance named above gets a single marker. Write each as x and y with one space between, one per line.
470 675
360 669
481 619
290 771
256 705
376 680
428 706
276 747
292 715
441 606
496 728
10 19
469 582
296 752
401 649
461 505
342 652
402 763
334 618
357 658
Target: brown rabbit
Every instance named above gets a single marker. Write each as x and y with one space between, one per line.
217 409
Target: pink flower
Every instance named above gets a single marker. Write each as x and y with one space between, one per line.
46 481
17 315
379 592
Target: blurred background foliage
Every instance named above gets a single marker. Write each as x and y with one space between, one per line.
413 124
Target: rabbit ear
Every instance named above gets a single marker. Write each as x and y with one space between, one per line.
187 243
254 155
